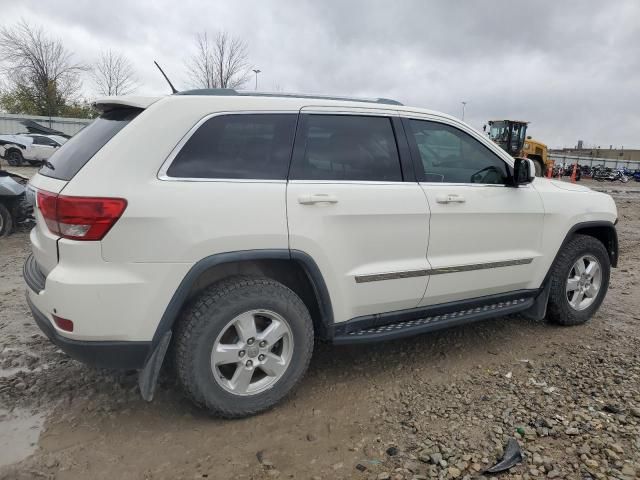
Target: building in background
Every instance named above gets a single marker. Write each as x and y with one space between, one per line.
619 154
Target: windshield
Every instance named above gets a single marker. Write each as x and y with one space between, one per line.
75 153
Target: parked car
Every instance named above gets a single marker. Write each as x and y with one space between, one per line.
30 148
255 223
14 207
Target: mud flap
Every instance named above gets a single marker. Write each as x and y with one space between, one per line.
148 376
538 310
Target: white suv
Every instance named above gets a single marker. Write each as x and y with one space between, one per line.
231 229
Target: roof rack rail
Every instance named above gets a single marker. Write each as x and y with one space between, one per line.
225 92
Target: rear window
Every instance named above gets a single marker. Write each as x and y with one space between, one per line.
75 153
240 146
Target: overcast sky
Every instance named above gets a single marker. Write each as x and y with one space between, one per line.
571 68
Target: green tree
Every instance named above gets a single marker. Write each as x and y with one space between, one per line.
41 76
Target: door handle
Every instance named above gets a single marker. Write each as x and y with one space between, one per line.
317 198
450 198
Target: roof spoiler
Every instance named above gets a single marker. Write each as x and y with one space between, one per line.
106 104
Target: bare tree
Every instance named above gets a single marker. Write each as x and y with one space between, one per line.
113 74
38 69
219 63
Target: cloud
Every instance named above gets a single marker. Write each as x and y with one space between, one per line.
569 67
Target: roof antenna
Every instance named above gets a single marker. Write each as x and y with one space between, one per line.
173 89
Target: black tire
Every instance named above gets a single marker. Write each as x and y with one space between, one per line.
6 221
539 168
559 310
205 319
14 158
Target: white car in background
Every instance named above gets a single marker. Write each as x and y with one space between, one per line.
31 148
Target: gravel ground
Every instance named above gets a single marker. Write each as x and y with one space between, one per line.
436 406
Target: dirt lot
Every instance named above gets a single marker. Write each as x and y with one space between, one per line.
436 406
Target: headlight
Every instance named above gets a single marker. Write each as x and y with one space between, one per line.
526 146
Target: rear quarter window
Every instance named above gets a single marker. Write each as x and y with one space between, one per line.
74 154
238 146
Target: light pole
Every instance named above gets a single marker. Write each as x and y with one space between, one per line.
256 71
464 104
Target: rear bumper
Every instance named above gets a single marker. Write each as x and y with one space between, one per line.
117 355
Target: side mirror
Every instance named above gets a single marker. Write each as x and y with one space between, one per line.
524 171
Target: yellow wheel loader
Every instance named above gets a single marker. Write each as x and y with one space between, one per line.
512 137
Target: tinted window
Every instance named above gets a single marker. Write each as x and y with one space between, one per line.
238 146
43 141
450 155
74 154
348 147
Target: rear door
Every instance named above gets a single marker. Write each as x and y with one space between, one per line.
354 209
485 235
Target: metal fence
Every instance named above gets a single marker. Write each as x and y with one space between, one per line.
10 123
593 161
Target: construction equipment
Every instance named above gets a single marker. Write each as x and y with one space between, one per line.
511 136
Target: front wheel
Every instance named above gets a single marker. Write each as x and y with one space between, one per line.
243 345
624 179
579 281
539 168
14 158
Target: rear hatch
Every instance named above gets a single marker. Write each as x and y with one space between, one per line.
63 165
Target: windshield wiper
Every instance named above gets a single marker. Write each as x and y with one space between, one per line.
48 164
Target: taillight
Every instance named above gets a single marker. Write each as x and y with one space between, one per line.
79 218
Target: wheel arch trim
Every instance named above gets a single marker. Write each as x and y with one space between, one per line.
181 295
612 248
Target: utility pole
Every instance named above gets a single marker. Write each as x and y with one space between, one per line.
256 71
464 104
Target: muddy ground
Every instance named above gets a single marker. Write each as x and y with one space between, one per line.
436 406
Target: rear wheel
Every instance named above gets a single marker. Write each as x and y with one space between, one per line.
14 158
6 221
579 281
243 345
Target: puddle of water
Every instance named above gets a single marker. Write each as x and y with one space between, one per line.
19 433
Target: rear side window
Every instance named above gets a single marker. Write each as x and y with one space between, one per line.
240 146
348 147
74 154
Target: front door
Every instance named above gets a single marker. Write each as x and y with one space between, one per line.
349 207
485 236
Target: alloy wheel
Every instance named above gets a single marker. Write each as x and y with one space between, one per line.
252 352
584 282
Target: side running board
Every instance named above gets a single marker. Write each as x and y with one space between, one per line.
412 322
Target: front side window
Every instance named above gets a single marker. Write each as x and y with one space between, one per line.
239 146
348 147
451 155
